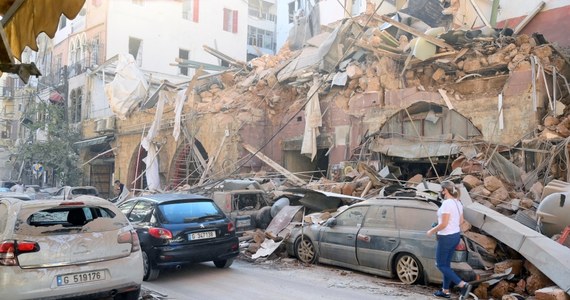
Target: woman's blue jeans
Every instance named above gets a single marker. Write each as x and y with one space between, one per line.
443 254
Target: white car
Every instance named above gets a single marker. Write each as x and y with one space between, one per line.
84 248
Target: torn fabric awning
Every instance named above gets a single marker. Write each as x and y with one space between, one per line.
93 141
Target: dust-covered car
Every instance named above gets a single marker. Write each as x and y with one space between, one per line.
179 229
84 249
71 192
384 236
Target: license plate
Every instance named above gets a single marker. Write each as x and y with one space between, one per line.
202 235
243 223
76 278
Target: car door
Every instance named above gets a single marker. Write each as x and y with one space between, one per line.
413 231
377 237
337 243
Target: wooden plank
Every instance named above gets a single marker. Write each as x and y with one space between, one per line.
381 52
431 39
274 165
529 17
443 94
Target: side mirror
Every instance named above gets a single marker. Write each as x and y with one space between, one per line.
330 222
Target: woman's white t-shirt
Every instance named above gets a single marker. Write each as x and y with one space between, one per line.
454 208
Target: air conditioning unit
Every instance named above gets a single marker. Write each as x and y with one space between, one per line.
110 123
100 125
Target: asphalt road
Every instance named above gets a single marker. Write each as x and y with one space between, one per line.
282 279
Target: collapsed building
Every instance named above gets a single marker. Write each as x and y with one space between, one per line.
367 101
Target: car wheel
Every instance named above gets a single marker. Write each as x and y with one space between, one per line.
408 268
305 250
150 272
132 295
224 264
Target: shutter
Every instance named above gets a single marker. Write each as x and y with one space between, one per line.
226 15
235 21
196 11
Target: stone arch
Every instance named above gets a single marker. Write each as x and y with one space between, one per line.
135 181
187 165
423 136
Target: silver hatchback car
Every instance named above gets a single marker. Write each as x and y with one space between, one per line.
85 248
384 236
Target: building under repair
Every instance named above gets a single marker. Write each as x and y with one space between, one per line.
367 102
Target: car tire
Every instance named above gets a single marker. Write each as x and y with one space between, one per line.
408 268
132 295
305 250
150 272
223 264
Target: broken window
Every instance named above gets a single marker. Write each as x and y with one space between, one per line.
183 54
135 49
190 10
352 216
291 12
230 20
260 38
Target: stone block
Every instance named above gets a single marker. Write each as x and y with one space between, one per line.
471 182
551 121
418 178
438 74
551 293
479 192
484 241
515 264
471 65
542 52
492 183
500 289
499 196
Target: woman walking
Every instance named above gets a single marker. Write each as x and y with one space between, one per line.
448 231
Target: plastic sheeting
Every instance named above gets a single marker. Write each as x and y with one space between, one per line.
313 120
151 160
128 89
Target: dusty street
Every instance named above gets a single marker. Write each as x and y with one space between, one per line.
286 279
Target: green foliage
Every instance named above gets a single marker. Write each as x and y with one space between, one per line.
58 152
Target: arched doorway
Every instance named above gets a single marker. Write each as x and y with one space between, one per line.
188 164
136 179
424 136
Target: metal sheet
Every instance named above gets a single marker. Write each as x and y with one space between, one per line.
282 219
413 149
94 141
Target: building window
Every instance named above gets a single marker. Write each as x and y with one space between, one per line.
75 107
230 20
291 12
184 55
191 10
62 21
135 49
260 38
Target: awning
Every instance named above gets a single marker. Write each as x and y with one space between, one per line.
23 20
94 141
414 149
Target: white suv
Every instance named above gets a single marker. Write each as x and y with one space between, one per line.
84 248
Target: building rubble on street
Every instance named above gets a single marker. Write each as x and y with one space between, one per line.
366 103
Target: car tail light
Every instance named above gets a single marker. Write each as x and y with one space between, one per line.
461 246
231 227
130 237
9 251
160 233
72 203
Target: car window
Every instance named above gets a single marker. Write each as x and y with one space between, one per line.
140 211
3 216
380 216
352 216
185 212
247 201
60 220
410 218
126 207
84 191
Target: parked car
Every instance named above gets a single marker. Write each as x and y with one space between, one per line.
179 229
84 249
21 196
383 236
71 192
243 208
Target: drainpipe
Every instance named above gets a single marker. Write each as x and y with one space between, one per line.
494 12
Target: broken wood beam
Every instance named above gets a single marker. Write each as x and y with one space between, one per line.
274 165
404 27
225 57
529 17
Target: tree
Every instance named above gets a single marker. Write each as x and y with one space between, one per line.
56 151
